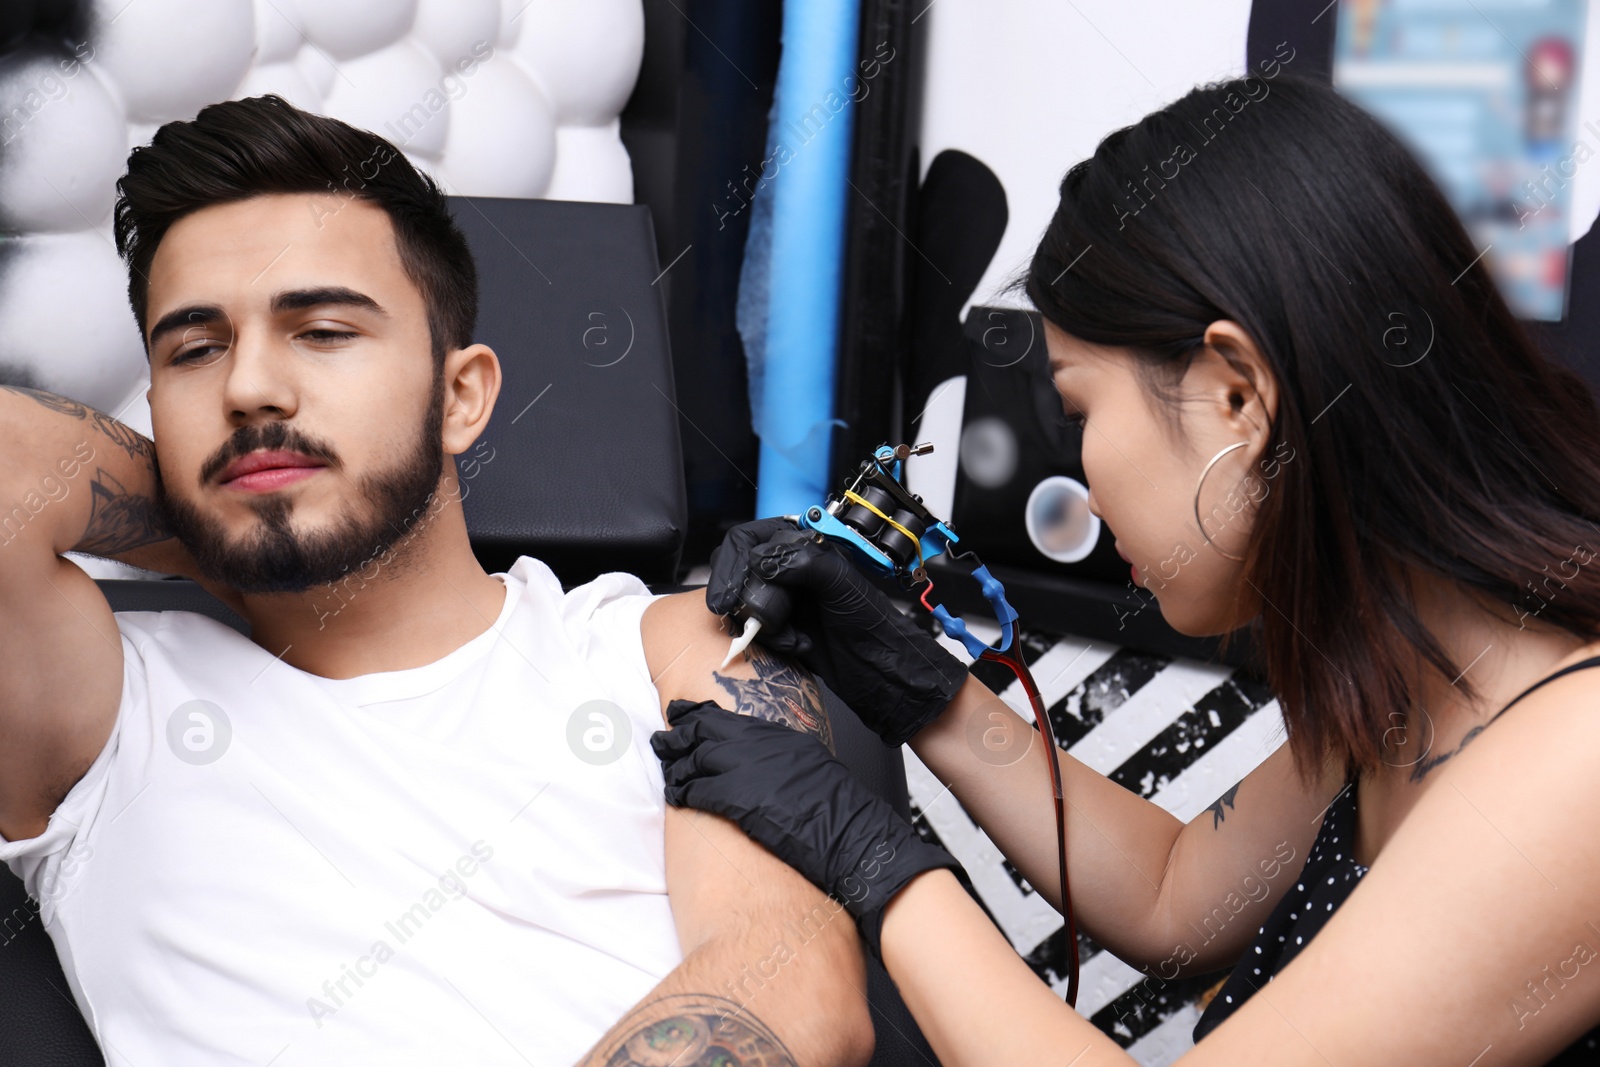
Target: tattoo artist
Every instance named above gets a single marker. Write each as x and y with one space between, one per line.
1300 386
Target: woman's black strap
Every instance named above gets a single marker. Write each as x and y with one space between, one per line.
1592 661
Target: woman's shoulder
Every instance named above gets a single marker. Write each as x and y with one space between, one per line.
1561 705
1568 691
1541 744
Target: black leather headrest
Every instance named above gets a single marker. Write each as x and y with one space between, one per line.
580 465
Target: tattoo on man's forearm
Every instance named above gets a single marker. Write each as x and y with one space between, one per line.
119 520
135 444
1216 807
694 1030
780 692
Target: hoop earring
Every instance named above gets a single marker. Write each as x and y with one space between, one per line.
1197 521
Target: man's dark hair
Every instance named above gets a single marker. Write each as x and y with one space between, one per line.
239 149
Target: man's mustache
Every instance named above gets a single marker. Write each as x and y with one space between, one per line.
276 436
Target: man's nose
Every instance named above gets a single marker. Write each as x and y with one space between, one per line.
258 376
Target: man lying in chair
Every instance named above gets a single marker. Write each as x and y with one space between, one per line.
420 822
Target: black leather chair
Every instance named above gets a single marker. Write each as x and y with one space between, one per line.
586 475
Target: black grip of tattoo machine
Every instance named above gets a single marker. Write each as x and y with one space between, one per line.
766 603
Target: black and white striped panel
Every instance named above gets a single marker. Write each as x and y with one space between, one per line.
1175 731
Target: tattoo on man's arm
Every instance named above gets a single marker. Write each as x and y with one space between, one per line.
1227 798
119 520
780 692
53 401
695 1030
135 444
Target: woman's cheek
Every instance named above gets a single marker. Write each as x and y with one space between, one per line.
1096 481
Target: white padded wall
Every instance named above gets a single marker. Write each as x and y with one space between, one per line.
490 97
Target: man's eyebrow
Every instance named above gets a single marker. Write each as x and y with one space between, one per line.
193 315
298 299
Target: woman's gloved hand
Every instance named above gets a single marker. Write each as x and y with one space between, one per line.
842 628
790 794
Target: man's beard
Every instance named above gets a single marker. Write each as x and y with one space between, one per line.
272 558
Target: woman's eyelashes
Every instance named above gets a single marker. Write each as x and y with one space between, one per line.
1070 411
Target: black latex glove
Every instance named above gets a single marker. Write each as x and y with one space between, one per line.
841 627
790 794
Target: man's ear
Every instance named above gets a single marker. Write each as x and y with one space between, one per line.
1233 381
471 386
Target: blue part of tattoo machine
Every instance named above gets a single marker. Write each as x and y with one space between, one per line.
888 531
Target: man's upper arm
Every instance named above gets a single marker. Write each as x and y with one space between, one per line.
683 645
689 643
60 649
721 882
60 681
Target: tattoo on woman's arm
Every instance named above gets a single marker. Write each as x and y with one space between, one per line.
119 520
1227 798
780 692
694 1030
135 444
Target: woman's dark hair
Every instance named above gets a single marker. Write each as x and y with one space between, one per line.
243 148
1428 430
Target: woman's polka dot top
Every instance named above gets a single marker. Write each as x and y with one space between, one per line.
1330 874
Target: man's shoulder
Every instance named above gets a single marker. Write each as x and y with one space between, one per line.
681 635
190 628
613 599
165 647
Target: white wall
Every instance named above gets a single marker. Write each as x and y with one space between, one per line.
1030 88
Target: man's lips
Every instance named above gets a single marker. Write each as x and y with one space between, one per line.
268 470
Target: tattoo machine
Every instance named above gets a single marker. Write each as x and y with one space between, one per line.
889 531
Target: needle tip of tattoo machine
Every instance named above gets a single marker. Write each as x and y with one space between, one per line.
752 626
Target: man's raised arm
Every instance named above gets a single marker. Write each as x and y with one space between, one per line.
772 967
63 485
120 519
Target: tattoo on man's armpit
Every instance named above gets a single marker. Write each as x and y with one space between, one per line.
782 693
696 1030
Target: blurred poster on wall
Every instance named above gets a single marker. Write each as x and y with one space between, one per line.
1486 93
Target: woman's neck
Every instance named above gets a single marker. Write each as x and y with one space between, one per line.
1495 652
1492 652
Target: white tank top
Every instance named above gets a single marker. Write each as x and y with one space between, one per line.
457 863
